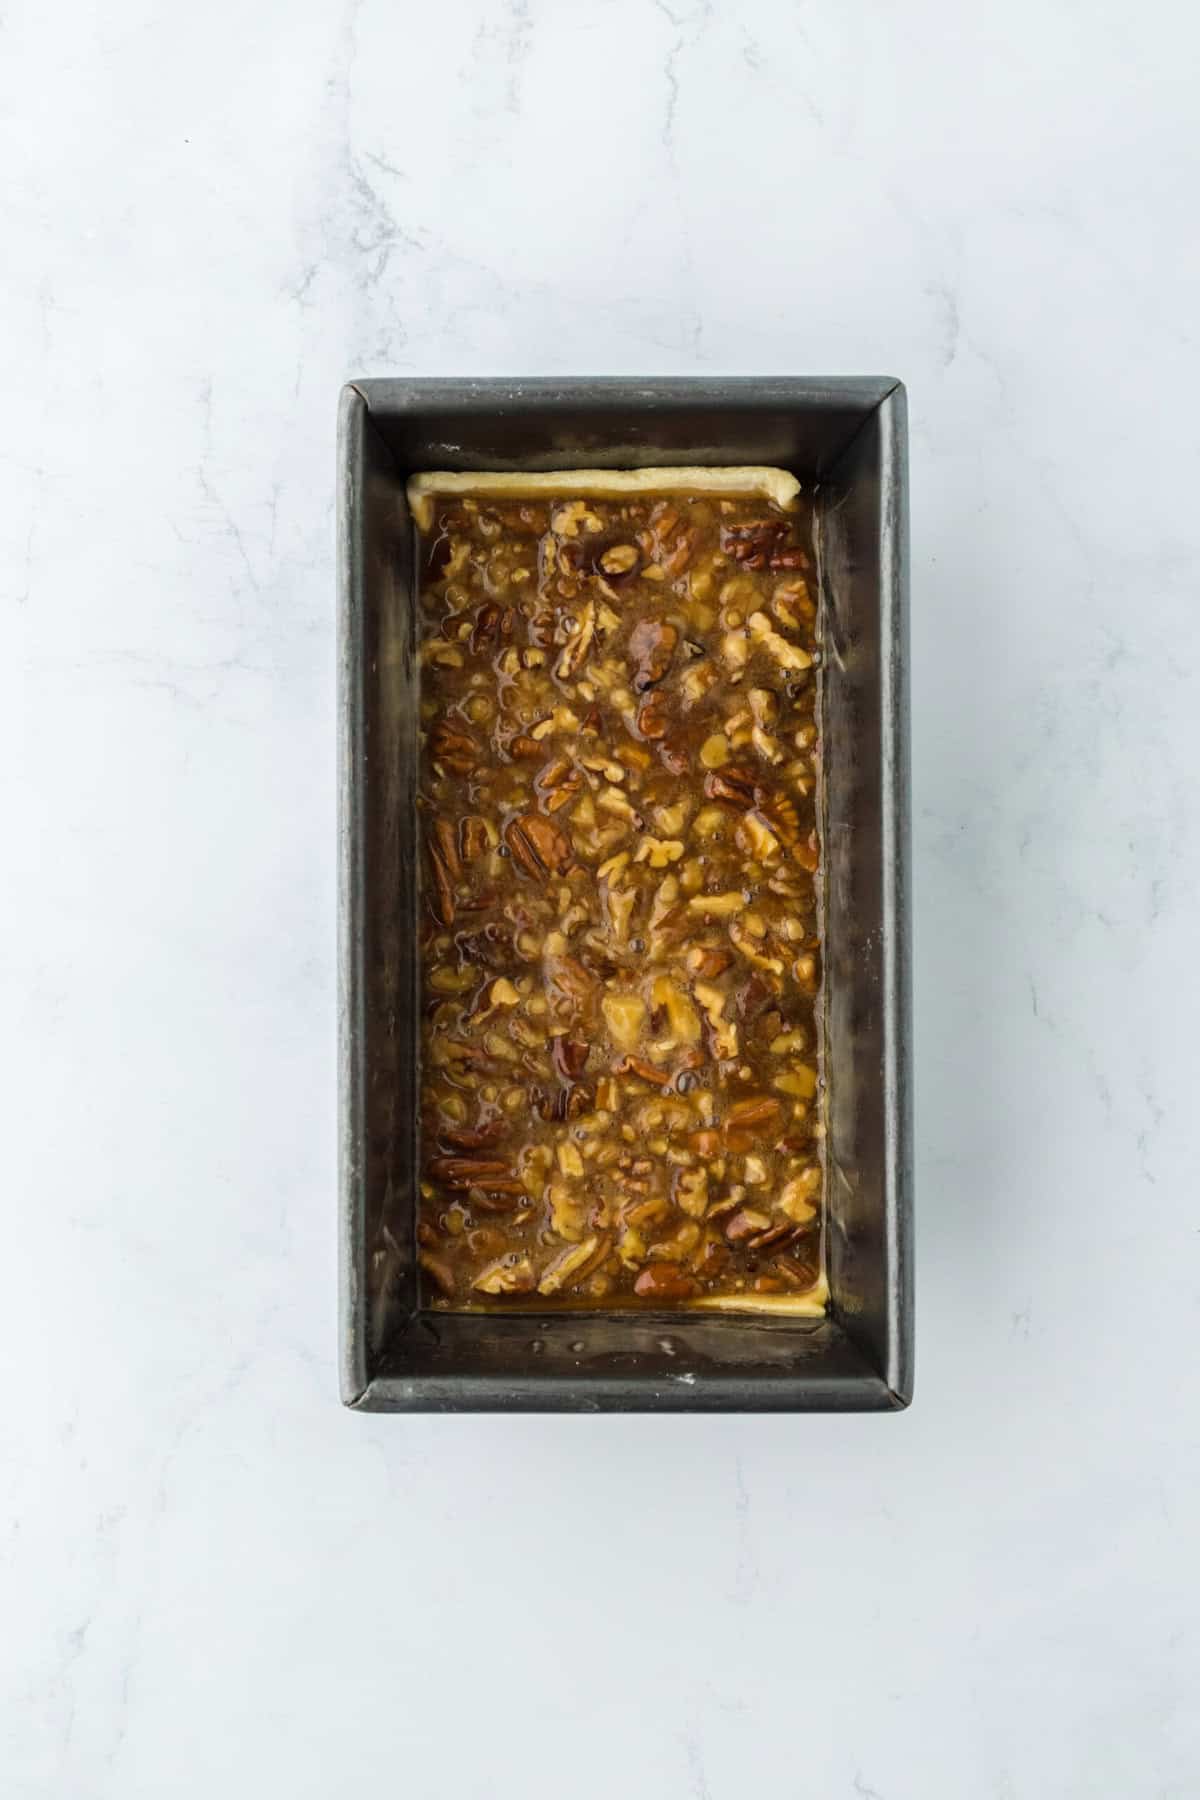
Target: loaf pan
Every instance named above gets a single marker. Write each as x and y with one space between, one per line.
846 440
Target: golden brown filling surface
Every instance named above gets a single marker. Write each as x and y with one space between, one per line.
619 953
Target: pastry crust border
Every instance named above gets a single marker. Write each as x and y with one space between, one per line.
776 485
812 1304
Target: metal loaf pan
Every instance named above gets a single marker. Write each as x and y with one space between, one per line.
845 438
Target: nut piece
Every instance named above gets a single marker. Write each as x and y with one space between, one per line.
579 645
491 1174
788 656
664 1281
566 1264
625 1015
691 1192
453 747
619 560
658 852
508 1276
538 846
747 1222
683 1021
800 1081
752 545
798 1198
651 645
439 1272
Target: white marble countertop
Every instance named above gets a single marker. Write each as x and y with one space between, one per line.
214 1580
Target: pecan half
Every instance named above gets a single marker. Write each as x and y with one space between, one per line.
446 839
462 1137
442 899
538 846
491 1173
795 1270
664 1281
453 747
439 1272
761 1113
776 1234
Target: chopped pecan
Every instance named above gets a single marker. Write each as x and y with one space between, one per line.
680 554
651 645
571 1264
773 1236
580 1100
562 796
490 945
734 785
542 627
486 627
558 783
511 1275
808 853
473 837
569 1057
745 1223
708 961
568 974
753 545
779 811
645 1071
578 645
652 716
711 1260
618 561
